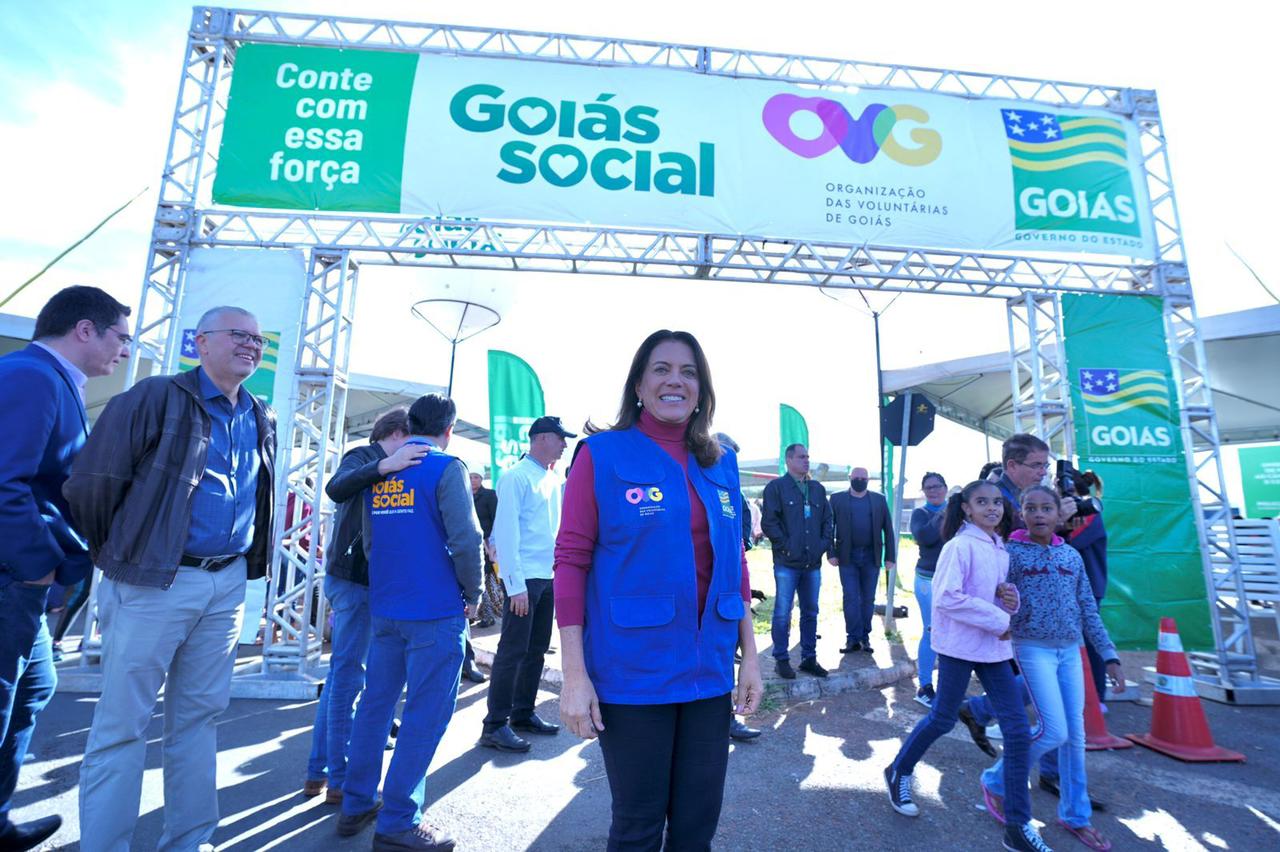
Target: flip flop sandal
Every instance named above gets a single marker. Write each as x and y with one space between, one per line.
1089 836
994 804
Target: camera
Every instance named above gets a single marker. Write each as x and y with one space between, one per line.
1070 483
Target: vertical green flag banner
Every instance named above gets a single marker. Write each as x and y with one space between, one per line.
515 401
1127 428
316 129
791 430
1260 475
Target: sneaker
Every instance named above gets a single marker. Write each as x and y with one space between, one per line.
1024 838
994 804
900 792
976 732
810 666
924 696
421 836
350 824
784 669
1050 785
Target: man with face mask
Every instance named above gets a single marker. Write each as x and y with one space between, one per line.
863 535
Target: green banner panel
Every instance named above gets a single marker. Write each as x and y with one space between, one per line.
315 129
1125 410
1260 475
515 401
791 430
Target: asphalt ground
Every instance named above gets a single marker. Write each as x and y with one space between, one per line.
812 781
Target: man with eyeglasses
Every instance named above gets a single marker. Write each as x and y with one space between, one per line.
174 493
80 333
1026 461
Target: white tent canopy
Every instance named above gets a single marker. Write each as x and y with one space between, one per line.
1242 350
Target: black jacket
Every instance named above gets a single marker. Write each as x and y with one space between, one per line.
798 542
486 500
884 544
357 471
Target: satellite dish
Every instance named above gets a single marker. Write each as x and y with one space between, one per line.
455 320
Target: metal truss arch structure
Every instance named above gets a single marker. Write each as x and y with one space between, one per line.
310 426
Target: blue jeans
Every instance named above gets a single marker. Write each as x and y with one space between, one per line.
806 583
425 656
925 657
858 582
985 714
1055 679
336 707
27 678
997 678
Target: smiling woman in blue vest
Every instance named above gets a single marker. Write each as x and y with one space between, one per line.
652 596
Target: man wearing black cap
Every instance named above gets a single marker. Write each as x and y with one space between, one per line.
524 535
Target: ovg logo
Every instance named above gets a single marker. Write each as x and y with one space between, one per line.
648 501
1070 173
1126 408
859 139
636 496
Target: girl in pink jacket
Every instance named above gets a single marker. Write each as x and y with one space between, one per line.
972 604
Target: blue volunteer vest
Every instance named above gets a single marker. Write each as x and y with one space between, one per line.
641 636
411 576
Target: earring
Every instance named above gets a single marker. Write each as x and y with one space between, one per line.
639 404
697 410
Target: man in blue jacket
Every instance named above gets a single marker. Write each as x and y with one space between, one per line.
423 545
81 332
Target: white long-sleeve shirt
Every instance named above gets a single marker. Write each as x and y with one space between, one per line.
525 527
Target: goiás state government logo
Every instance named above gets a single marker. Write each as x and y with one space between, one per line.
1071 181
1127 411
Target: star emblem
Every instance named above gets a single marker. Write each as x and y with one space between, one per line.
1033 125
1016 130
1111 376
1087 375
1050 133
1111 386
1013 116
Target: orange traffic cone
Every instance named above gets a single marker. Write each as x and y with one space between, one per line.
1178 726
1096 735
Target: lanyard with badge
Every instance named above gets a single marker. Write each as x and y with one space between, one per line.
804 493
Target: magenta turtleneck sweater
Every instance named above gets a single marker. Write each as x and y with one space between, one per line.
579 525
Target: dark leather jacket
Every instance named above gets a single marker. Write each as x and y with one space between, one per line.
356 472
130 488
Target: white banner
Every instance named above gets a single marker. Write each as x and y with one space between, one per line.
654 148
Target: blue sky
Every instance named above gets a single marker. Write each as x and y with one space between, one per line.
86 99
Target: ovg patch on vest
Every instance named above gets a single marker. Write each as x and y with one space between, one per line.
648 501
